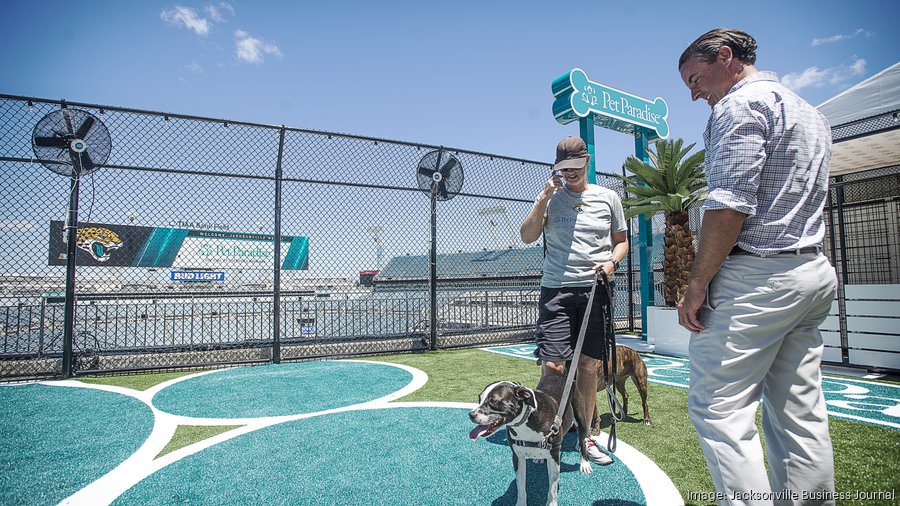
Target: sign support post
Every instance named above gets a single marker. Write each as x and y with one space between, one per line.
586 130
645 242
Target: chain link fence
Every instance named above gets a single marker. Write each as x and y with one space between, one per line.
863 215
206 242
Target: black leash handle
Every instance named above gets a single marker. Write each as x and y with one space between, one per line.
608 355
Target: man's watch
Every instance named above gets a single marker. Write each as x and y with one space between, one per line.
615 263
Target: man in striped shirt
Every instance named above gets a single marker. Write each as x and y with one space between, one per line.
760 285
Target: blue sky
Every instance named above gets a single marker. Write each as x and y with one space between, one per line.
466 74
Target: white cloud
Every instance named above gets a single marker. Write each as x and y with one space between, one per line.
815 77
194 68
216 12
809 77
227 6
251 49
186 17
837 38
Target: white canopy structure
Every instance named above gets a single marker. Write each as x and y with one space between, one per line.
865 123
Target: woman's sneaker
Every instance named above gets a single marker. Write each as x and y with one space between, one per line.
595 454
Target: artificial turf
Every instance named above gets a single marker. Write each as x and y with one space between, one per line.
865 455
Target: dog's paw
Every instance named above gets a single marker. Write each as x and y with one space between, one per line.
586 467
647 422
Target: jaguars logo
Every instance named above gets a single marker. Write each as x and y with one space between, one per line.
99 242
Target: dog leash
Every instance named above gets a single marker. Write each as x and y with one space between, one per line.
608 355
608 336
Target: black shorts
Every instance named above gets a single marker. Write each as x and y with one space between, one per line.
561 313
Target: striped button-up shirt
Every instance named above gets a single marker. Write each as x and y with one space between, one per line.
767 156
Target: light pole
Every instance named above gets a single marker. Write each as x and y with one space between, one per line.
376 231
260 225
489 213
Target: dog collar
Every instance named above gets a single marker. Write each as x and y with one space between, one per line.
524 417
526 411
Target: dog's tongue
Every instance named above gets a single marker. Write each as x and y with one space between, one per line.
478 431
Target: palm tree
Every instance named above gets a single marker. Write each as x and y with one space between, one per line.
670 184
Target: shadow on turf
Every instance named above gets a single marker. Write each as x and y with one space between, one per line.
606 420
536 476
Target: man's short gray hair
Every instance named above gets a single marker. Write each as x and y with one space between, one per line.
706 47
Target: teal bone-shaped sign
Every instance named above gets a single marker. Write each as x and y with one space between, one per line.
577 97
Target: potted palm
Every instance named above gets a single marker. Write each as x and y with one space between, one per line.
671 183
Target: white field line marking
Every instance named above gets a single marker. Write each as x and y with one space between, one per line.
142 464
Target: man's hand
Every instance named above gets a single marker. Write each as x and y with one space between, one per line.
689 308
718 234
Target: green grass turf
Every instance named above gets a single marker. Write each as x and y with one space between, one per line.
865 455
189 434
139 382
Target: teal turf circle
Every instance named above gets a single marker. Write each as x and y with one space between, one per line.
280 389
405 455
56 440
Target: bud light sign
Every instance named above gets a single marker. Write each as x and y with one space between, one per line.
207 276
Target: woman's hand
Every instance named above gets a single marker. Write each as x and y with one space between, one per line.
607 267
553 184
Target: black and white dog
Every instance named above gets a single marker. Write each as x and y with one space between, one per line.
528 416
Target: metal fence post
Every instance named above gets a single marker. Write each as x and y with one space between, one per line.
276 283
69 313
432 260
43 320
629 274
844 277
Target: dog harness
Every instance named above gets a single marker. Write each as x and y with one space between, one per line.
543 444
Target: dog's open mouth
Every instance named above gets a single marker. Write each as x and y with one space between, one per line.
486 430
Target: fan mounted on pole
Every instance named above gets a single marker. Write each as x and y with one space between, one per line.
441 175
72 143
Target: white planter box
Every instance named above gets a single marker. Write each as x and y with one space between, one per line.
664 332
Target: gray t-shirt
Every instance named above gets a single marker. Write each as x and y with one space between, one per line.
577 234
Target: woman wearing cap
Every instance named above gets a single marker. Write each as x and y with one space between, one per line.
584 231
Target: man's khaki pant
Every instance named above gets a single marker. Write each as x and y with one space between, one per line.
762 342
